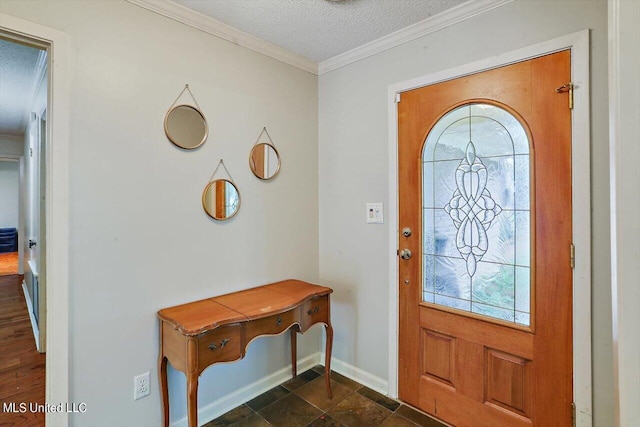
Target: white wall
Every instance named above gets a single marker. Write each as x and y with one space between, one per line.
9 193
624 91
11 146
139 239
353 147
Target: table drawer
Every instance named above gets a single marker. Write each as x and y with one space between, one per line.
271 325
220 345
313 311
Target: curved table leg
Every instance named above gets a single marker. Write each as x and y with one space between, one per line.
164 391
192 398
327 360
294 351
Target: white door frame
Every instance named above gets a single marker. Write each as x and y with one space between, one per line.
57 208
579 44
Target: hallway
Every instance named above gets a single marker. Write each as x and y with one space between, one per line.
22 368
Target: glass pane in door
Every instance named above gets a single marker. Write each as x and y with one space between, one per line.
476 213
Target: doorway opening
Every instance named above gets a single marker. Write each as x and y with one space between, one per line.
24 65
56 44
23 102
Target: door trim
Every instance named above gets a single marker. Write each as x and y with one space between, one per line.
578 43
57 207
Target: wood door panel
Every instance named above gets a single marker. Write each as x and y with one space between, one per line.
464 368
508 382
418 111
438 356
468 412
485 333
554 300
434 101
469 356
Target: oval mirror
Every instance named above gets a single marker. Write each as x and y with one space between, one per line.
186 126
221 199
264 161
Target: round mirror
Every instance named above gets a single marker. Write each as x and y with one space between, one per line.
186 127
264 161
221 199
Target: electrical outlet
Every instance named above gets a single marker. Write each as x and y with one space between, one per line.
140 386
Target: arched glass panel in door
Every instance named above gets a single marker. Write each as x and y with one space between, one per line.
476 167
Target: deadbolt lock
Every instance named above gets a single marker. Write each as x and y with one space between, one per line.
406 232
405 254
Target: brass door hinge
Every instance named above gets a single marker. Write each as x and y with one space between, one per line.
573 256
568 87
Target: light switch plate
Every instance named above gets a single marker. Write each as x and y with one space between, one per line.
375 213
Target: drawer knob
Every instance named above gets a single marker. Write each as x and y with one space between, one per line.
313 310
213 345
278 321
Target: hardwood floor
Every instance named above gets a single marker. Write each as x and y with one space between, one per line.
8 263
22 368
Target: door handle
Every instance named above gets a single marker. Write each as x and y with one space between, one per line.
405 254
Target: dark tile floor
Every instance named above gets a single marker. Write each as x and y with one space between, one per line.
302 401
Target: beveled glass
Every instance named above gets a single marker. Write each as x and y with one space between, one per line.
476 213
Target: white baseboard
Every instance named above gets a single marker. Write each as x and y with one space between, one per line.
363 377
34 325
226 403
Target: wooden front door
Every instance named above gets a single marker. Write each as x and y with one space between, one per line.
485 211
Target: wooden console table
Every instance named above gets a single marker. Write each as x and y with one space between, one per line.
196 335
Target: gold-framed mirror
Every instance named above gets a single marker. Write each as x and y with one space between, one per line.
264 161
186 126
221 199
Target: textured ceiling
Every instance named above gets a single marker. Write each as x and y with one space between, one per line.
319 29
316 29
17 74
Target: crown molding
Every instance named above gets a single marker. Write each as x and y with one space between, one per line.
432 24
219 29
